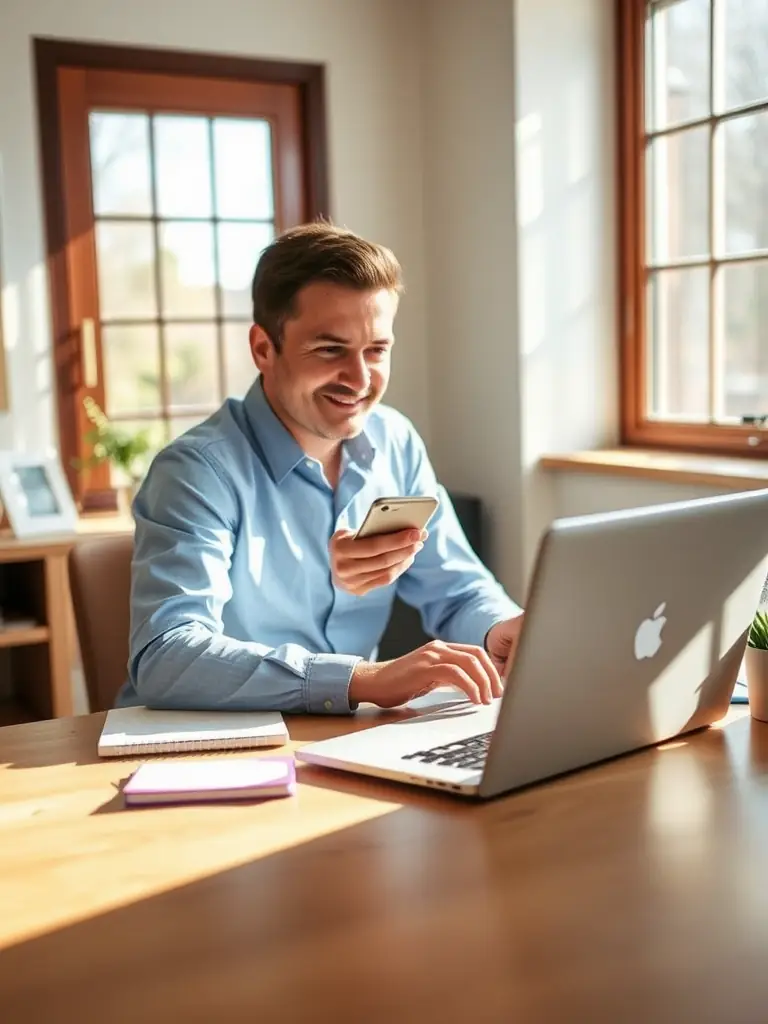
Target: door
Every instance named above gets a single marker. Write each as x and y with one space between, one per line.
171 185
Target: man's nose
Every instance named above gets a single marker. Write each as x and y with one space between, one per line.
357 375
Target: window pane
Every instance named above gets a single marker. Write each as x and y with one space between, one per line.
239 367
678 195
746 51
183 166
131 369
125 259
120 163
746 177
156 435
186 262
243 158
179 424
240 246
679 81
678 333
192 362
745 289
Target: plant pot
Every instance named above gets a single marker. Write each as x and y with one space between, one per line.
757 682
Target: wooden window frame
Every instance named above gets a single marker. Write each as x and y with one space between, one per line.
637 429
51 57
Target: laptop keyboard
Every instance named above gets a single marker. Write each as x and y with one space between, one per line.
468 753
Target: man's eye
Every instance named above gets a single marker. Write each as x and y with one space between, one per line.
379 351
330 350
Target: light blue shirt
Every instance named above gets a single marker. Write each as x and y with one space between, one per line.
232 603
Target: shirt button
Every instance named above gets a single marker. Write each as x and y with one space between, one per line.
309 465
328 705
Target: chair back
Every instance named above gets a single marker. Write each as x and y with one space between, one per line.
100 581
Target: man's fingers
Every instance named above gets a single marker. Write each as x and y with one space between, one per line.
349 545
453 675
362 583
489 666
351 566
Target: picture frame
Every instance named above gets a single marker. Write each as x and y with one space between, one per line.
35 494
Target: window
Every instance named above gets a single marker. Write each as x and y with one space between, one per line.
166 175
694 224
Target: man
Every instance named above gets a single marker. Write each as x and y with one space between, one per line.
250 590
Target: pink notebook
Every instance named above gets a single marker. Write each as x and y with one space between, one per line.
176 782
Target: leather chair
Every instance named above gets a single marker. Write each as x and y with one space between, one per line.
100 581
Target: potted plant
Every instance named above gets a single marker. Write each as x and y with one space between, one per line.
126 451
757 667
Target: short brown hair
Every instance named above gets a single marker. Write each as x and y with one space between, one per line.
316 252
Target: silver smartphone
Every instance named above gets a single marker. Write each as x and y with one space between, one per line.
389 515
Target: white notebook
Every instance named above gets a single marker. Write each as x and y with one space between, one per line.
143 731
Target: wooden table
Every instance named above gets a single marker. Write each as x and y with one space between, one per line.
632 892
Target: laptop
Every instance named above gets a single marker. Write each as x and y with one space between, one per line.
635 629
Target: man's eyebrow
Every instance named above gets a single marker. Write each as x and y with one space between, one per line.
327 336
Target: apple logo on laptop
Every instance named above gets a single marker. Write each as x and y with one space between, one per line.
648 636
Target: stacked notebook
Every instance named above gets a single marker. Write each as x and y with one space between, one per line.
129 731
189 781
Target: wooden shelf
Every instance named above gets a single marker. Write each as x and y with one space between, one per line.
24 637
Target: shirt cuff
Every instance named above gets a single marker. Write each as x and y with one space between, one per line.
327 684
474 624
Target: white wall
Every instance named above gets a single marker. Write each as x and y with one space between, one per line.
566 139
469 174
375 146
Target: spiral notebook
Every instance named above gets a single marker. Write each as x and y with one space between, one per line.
141 730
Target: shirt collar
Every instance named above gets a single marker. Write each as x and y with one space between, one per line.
281 449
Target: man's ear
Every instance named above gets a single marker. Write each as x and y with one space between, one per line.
262 349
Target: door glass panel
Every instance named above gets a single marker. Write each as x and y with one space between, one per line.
243 162
193 371
125 260
240 246
120 166
183 166
239 367
131 358
187 269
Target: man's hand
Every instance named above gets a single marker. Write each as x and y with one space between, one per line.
362 565
501 643
391 683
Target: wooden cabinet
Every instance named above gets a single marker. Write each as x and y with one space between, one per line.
37 662
36 654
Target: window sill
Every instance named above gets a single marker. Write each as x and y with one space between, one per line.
674 467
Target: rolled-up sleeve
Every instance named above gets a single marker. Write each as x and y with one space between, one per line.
187 515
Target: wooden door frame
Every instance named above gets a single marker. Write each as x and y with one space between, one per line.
53 54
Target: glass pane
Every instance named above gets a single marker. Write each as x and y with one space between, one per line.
186 263
125 255
243 160
120 163
180 424
240 246
678 338
680 71
131 369
746 51
239 367
193 366
183 166
678 195
746 177
745 289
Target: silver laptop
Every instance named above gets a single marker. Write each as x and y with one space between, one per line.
635 629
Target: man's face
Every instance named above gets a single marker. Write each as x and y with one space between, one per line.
333 365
